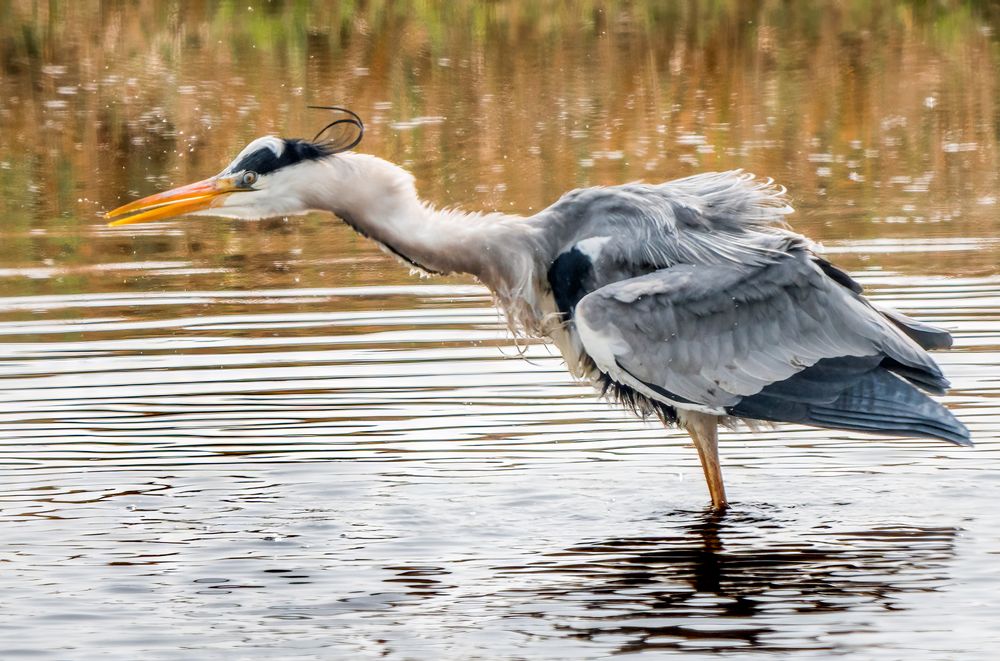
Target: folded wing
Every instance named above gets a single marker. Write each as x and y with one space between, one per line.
780 341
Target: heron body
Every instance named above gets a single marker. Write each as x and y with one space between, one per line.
688 300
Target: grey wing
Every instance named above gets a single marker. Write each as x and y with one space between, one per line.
927 336
779 341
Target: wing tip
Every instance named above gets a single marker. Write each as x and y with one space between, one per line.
876 401
930 338
961 437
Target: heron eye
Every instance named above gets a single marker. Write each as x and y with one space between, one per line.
249 178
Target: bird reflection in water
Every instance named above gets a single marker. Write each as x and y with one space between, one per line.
716 584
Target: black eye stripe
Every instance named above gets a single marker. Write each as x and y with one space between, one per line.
264 160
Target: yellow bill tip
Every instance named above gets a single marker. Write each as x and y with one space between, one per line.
171 203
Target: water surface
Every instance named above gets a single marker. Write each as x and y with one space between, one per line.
244 440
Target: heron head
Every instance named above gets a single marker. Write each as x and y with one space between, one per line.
270 177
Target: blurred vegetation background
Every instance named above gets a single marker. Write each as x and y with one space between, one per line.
881 118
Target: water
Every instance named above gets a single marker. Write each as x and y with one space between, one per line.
246 440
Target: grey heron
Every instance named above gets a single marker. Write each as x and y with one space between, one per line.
688 300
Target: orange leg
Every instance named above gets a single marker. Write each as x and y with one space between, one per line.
704 431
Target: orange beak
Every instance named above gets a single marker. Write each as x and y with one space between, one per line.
174 202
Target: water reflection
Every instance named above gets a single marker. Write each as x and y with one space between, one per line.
720 582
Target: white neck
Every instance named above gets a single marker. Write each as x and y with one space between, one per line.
379 200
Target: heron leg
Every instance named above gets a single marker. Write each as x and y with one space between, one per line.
704 431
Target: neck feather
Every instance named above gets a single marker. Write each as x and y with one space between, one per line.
379 200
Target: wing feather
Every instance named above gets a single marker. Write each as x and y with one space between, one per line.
715 334
690 294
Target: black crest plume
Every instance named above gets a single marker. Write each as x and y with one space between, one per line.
342 134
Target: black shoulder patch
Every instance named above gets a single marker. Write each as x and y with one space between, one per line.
264 160
569 277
